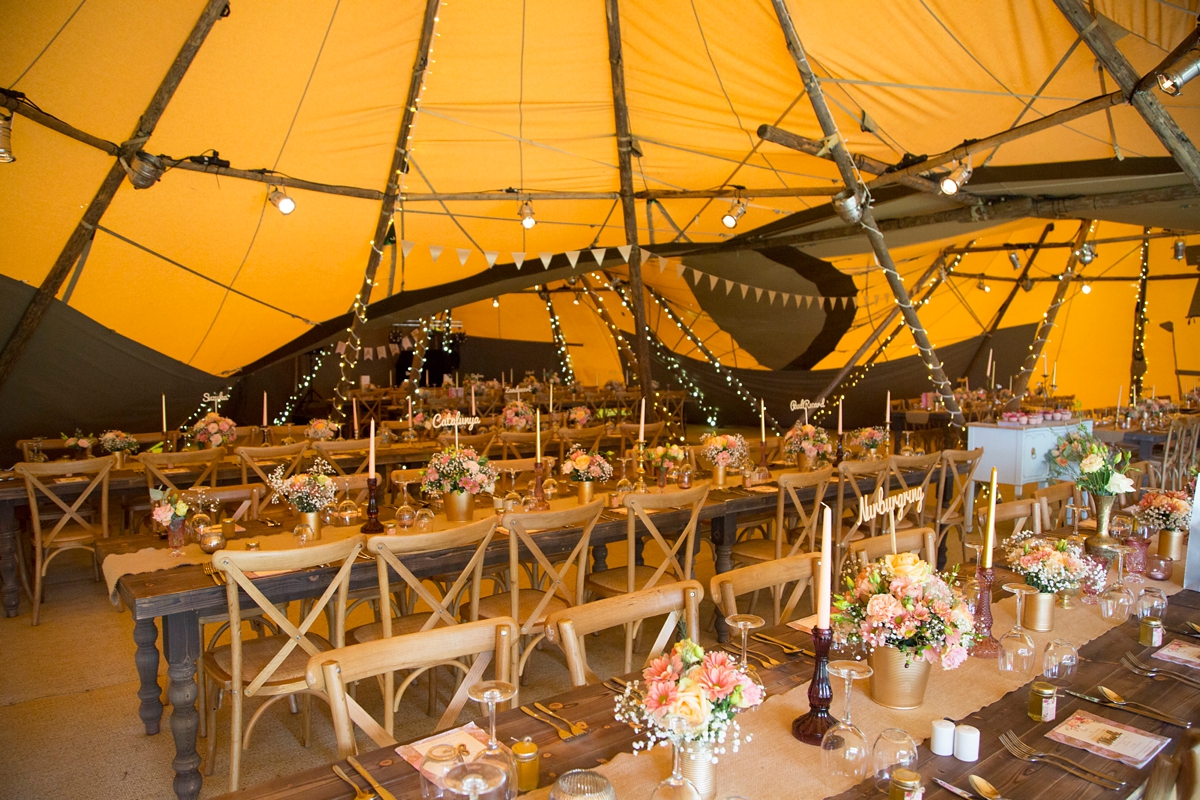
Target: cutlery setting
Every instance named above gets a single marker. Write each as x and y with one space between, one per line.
1130 662
762 658
1111 699
1013 744
217 575
563 733
790 649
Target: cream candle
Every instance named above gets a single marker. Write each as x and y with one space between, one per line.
989 534
642 424
164 409
537 424
826 579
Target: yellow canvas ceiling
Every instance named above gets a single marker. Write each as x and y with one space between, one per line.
518 95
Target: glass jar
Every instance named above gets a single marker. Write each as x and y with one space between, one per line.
685 476
1042 701
529 762
905 785
1159 568
1150 632
438 760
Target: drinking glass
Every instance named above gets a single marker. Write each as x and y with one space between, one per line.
1158 567
302 534
746 623
1060 659
477 781
438 760
624 486
1152 602
1017 650
845 753
676 787
176 538
1138 542
347 512
978 548
1116 601
893 748
423 520
1090 586
496 754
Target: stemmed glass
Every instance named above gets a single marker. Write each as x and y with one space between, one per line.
624 486
1116 601
477 781
845 753
1060 659
496 754
513 499
893 748
676 787
1016 647
978 548
406 515
746 623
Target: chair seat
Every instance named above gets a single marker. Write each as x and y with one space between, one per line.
256 654
373 631
614 582
70 536
500 605
754 551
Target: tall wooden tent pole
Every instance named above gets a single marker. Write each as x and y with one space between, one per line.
1137 363
1021 384
398 167
1140 96
637 301
846 167
146 124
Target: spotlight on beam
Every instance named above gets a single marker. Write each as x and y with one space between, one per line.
950 184
144 170
1172 79
1014 259
730 218
280 200
848 206
526 215
983 285
1086 254
6 151
1180 247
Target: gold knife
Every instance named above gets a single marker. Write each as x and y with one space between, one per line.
383 793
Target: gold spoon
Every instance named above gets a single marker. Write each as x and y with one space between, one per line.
984 788
1117 700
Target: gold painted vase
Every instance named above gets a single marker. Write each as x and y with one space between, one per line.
119 459
313 520
698 767
719 475
1037 614
460 506
587 491
894 682
1170 544
1100 543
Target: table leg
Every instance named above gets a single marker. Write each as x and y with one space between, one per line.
181 643
145 636
723 531
8 560
600 558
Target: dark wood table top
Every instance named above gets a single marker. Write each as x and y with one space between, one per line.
1015 779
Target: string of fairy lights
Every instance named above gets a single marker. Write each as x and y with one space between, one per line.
1140 318
284 417
560 342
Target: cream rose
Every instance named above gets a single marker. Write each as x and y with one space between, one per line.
908 565
1091 463
1119 484
691 704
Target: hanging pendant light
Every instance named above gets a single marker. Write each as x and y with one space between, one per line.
280 200
848 206
526 215
951 183
144 170
1172 79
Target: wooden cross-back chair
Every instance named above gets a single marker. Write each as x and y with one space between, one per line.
481 443
237 502
272 667
795 524
1018 512
515 444
259 459
370 406
909 540
355 452
1053 501
443 605
480 643
1179 452
586 438
56 519
276 435
754 451
164 469
554 592
48 447
629 433
355 485
956 494
568 629
926 467
408 477
1136 472
801 569
877 473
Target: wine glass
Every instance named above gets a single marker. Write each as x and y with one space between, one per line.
478 781
496 754
438 760
978 548
1151 602
513 498
906 448
406 515
423 521
1016 647
676 787
1060 659
893 748
302 534
746 623
1093 581
845 753
347 512
624 486
1116 601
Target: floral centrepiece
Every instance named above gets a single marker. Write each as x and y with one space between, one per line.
168 507
517 416
321 430
725 450
665 455
459 469
118 442
900 601
79 441
214 430
1048 565
1102 472
1165 510
579 465
308 491
1070 449
705 690
579 416
871 438
808 439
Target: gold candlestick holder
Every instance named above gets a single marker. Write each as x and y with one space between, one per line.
640 485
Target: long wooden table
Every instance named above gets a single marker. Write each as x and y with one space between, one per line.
1015 779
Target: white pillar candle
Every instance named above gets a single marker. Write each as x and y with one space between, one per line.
164 404
825 578
887 409
966 743
642 424
371 457
941 741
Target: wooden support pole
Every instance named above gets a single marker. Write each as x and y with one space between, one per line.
846 167
994 325
1143 99
1021 384
58 273
399 166
637 300
770 133
1137 364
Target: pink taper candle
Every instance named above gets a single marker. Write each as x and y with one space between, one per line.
354 401
472 400
826 579
264 409
839 417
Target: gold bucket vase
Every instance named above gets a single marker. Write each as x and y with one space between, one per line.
460 506
587 490
1170 544
895 683
719 475
313 520
1037 613
697 766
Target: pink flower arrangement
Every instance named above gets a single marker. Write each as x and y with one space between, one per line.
321 430
871 438
118 441
168 507
1046 565
579 416
703 690
459 469
214 430
517 416
579 465
900 601
808 439
725 450
665 455
79 441
1165 510
307 491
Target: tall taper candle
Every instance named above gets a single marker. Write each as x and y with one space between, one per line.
264 409
371 456
410 413
537 424
887 409
1054 379
824 586
552 398
989 534
472 399
839 417
354 401
1120 394
642 424
164 404
762 418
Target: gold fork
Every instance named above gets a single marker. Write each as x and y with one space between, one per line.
563 733
576 730
359 794
211 572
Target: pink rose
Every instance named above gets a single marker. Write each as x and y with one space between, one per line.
751 693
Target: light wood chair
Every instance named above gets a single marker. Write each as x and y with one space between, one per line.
629 433
1018 512
479 643
237 502
1053 500
956 494
192 469
910 540
795 525
587 438
277 435
926 468
259 459
515 444
726 587
57 521
878 472
354 451
354 483
442 604
272 667
481 443
680 601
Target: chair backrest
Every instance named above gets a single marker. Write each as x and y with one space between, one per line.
256 459
406 476
330 672
1018 512
56 481
755 449
352 452
878 472
511 442
1053 500
629 433
912 472
909 540
274 435
959 467
157 466
480 442
726 587
237 563
587 438
789 508
247 498
51 448
640 506
522 532
569 627
354 483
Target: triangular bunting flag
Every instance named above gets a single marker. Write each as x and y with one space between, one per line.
679 268
573 257
435 250
624 251
808 300
598 254
696 275
393 348
843 302
712 282
463 254
546 258
406 343
368 354
341 348
757 294
728 286
491 256
406 247
853 302
381 352
820 302
745 288
645 255
518 259
662 264
771 294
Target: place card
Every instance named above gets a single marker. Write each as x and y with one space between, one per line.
805 625
470 740
1109 739
1180 652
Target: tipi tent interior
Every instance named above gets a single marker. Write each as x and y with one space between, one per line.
743 204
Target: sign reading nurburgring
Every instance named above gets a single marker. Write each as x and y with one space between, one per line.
454 419
874 505
215 399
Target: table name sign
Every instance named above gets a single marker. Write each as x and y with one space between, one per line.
806 404
876 504
454 419
216 400
518 391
